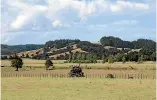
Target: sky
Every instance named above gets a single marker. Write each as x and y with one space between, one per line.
38 21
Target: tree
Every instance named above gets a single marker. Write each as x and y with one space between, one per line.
22 55
141 58
79 56
48 63
123 59
111 59
94 58
27 56
153 56
119 57
83 56
103 58
17 62
70 58
74 56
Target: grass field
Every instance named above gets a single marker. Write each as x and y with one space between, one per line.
59 64
32 88
32 66
77 89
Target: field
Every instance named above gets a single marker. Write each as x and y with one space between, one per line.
61 65
77 89
32 66
55 88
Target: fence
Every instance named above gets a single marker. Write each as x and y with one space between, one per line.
62 75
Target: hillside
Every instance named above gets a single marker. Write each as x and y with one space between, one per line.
10 49
65 49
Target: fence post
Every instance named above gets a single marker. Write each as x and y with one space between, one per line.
122 76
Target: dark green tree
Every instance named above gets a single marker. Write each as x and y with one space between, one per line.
17 62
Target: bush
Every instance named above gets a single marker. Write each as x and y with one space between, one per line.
66 61
110 76
76 71
111 60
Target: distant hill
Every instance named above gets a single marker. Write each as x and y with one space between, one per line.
10 49
118 43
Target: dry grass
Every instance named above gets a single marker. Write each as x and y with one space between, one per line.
77 89
31 66
61 64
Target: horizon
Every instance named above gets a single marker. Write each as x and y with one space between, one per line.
76 19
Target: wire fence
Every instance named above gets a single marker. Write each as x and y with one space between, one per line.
63 75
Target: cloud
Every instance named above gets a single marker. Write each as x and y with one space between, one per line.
125 22
97 26
126 5
49 15
55 9
26 13
59 24
20 20
86 9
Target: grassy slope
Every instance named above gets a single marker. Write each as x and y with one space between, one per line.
77 89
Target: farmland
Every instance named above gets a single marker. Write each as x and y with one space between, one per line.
59 64
32 66
88 88
77 89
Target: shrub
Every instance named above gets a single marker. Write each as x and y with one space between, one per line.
110 76
111 60
76 71
48 63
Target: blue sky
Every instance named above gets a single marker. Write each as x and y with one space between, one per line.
37 21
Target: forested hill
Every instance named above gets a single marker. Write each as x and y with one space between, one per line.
117 42
65 48
9 49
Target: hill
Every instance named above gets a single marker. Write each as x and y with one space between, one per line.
65 49
10 49
118 43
